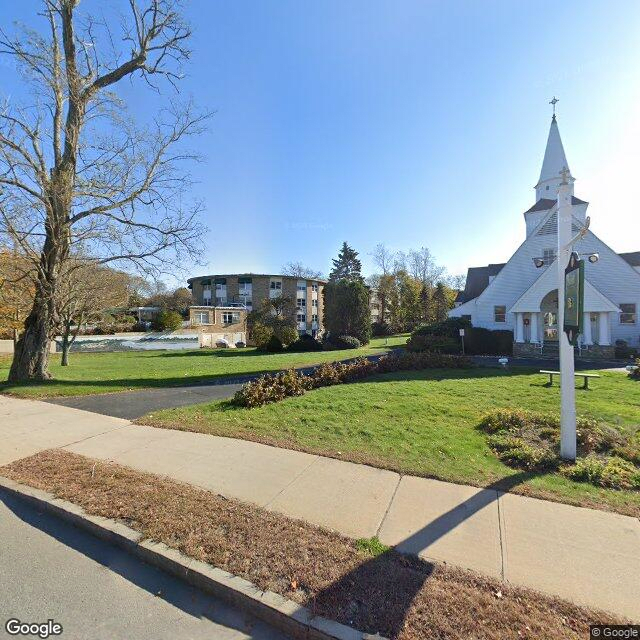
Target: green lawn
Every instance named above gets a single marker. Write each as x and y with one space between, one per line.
105 372
423 423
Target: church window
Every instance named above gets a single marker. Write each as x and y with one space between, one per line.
549 255
500 313
628 315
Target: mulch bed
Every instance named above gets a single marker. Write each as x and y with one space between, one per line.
398 596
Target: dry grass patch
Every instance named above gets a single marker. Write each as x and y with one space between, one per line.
359 583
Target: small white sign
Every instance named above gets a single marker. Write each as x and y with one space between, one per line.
462 333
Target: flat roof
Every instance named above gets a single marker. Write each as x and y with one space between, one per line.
255 275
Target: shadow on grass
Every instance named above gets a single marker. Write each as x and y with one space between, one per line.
379 594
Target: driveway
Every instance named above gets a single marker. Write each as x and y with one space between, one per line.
133 404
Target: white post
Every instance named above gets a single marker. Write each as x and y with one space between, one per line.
588 339
567 365
533 323
605 338
519 327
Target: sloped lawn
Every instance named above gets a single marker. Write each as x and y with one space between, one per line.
425 423
106 372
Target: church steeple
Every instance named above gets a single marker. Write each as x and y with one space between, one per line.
554 162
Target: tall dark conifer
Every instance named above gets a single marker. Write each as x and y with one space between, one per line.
346 266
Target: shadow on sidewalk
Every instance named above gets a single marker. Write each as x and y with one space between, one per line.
378 595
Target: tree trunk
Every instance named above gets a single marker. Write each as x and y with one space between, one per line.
66 344
31 356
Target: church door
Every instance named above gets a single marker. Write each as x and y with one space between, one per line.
549 309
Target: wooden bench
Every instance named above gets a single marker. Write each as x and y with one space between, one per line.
585 376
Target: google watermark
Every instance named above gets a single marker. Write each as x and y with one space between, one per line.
15 627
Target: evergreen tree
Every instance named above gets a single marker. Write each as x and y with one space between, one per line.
441 304
426 312
346 266
346 309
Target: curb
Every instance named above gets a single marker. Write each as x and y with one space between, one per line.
279 612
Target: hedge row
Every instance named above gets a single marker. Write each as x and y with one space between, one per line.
274 387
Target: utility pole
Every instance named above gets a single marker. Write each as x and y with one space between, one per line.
567 365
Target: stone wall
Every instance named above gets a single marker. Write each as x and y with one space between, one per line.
594 351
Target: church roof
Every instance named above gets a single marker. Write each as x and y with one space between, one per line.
544 204
633 258
478 277
554 157
478 281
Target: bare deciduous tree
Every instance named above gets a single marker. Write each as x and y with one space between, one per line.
299 270
85 291
76 174
383 258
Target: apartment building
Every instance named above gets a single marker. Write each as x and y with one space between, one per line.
221 303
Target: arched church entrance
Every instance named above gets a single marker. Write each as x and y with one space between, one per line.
549 310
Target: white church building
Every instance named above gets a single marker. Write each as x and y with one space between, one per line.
523 297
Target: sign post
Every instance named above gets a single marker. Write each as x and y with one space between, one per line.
462 339
570 292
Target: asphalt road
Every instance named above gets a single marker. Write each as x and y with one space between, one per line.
51 570
134 404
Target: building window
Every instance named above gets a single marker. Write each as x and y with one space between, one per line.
201 317
301 303
314 303
500 313
628 315
314 318
229 317
302 285
548 256
301 317
314 287
275 285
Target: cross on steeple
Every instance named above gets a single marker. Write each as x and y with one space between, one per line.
553 103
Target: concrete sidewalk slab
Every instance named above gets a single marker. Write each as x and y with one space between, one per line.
29 426
583 555
343 496
591 557
447 522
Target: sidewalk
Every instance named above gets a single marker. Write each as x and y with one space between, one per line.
587 556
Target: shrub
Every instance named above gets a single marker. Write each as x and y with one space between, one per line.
342 342
445 337
623 350
381 329
516 452
449 328
430 342
531 441
612 472
485 342
260 334
167 321
285 333
304 343
408 361
274 345
634 374
272 388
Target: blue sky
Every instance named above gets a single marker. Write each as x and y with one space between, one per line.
411 123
